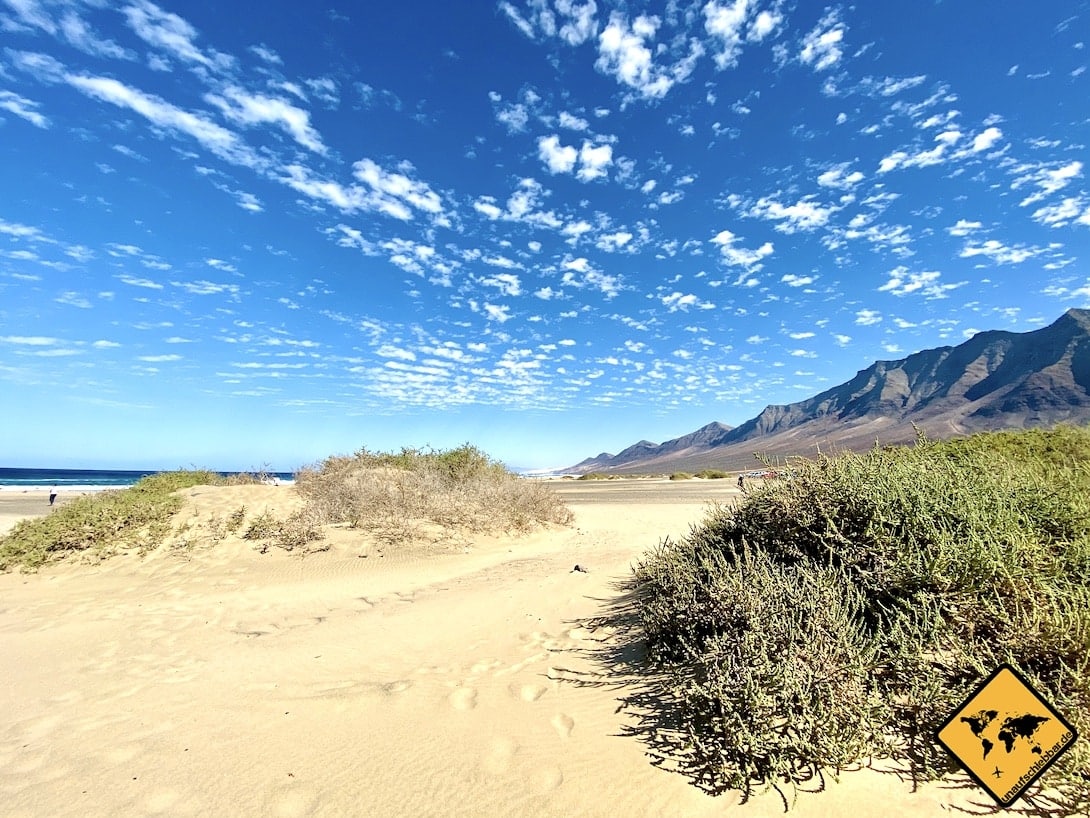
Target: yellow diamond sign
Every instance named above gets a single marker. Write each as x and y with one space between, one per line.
1006 735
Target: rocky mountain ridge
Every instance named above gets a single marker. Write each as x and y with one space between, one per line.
994 380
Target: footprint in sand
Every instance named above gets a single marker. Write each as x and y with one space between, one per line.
528 693
547 779
464 698
563 724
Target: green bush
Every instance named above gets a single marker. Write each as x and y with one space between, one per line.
845 613
99 523
712 474
681 475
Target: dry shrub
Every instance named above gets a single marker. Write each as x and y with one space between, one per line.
395 496
298 532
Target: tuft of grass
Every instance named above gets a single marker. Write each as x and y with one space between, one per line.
681 475
395 495
845 613
712 474
297 532
235 519
595 475
98 524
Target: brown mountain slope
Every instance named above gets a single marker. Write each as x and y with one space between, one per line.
995 380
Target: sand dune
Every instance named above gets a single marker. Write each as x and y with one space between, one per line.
484 677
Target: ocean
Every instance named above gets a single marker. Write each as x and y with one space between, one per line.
87 478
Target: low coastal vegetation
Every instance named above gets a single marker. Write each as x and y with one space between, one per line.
401 496
843 614
99 524
394 497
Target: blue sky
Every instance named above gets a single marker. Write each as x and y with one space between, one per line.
237 234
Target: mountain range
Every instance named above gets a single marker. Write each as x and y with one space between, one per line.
994 380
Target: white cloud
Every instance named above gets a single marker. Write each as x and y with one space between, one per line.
1000 253
623 53
823 46
612 242
506 283
514 117
146 283
572 122
23 107
30 340
678 301
213 137
726 23
325 89
568 20
244 108
838 177
963 228
1069 210
388 186
32 14
868 318
157 359
763 24
205 287
581 274
902 282
557 158
1049 180
804 214
267 54
986 138
739 256
79 34
73 299
172 34
792 280
593 161
391 351
497 313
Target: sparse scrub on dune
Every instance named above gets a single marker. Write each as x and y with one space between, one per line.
299 531
712 474
681 475
137 517
843 614
394 494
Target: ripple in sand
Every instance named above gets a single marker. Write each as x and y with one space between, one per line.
497 759
294 802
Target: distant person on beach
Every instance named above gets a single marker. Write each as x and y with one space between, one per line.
53 495
742 482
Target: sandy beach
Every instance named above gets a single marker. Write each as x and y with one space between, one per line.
486 678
